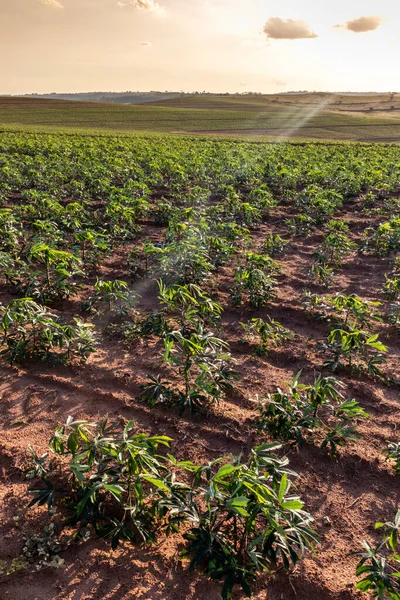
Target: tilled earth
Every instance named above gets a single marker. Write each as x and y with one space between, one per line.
346 494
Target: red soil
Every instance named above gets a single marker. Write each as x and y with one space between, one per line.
346 495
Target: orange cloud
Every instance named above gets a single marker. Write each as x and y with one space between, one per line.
287 29
362 24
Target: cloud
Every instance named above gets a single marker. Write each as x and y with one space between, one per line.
148 44
362 24
150 5
287 29
52 3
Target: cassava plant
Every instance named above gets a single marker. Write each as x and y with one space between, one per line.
391 289
380 567
343 311
383 240
393 453
336 245
267 333
9 231
31 332
244 520
183 306
45 274
321 274
352 311
315 413
254 281
301 224
274 245
189 303
202 362
114 482
59 267
184 259
241 516
112 297
92 245
357 350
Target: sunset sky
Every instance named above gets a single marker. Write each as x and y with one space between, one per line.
213 45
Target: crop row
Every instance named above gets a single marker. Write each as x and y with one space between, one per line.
179 214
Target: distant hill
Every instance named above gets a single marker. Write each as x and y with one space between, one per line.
240 101
311 116
113 97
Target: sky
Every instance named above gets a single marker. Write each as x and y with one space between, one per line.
264 46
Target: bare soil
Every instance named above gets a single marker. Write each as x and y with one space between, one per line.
346 494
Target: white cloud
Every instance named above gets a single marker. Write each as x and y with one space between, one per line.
362 24
148 44
287 29
52 3
149 5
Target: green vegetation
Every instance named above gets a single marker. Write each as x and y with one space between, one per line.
30 331
379 566
349 344
199 358
281 119
170 250
393 453
267 333
242 517
311 412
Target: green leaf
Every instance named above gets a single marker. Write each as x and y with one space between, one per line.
293 505
115 490
364 585
224 471
73 441
282 488
157 482
238 504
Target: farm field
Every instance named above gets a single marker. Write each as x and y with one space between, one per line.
241 299
272 117
355 104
